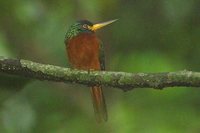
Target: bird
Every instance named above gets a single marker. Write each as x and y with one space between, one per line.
85 52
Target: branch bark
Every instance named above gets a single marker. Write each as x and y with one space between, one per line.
122 80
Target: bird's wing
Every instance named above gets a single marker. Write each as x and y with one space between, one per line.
97 92
101 56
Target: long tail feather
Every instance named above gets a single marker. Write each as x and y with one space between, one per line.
99 103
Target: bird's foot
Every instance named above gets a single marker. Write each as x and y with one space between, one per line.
89 70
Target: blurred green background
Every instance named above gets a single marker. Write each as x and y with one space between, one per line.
150 36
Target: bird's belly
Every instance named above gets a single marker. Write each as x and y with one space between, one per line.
84 57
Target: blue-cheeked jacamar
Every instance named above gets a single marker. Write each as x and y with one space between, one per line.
84 50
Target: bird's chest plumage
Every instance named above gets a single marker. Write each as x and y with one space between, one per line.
83 51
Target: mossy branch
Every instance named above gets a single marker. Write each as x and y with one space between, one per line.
122 80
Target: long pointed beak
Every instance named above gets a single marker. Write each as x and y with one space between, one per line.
100 25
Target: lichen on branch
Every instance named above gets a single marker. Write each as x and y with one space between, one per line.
122 80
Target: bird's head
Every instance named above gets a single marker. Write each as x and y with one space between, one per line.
85 26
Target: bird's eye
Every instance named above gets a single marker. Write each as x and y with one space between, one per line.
85 26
